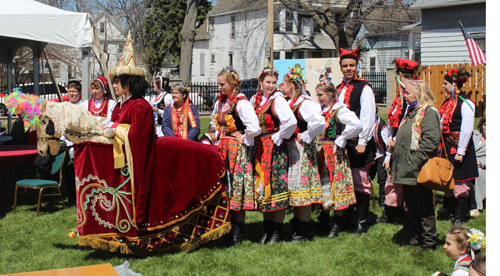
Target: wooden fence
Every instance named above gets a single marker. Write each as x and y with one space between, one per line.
475 88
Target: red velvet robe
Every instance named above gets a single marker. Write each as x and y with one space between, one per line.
176 203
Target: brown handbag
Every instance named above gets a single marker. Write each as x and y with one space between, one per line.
437 174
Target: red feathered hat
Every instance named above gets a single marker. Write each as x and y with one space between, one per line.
406 66
457 76
349 54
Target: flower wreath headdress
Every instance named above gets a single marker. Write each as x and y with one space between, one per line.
296 69
477 240
271 69
231 71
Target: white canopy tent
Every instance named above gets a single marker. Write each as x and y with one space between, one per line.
34 24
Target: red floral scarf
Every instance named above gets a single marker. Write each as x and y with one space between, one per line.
446 112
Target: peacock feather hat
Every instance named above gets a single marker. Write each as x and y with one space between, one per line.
126 65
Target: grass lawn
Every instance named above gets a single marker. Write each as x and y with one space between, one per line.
31 243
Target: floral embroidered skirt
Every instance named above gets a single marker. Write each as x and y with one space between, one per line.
240 185
336 178
271 166
304 182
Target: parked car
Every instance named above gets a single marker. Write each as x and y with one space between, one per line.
210 97
380 93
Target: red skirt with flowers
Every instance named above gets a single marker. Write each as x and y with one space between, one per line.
336 178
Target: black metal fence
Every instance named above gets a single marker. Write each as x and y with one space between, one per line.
378 80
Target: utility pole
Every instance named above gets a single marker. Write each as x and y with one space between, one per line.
270 32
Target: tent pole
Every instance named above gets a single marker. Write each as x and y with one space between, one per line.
85 73
36 68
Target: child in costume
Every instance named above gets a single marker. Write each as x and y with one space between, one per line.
209 138
303 177
478 265
100 106
236 126
336 176
181 118
457 121
463 245
160 101
277 122
381 137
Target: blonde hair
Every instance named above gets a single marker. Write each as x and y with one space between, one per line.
331 91
230 79
298 86
423 93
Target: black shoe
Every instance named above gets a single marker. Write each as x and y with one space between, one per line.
388 215
362 207
299 231
70 205
238 228
268 231
337 227
276 237
227 240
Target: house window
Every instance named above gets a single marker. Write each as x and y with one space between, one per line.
373 64
101 27
120 48
317 55
276 24
233 26
213 58
276 55
211 23
288 55
289 22
231 60
300 27
202 64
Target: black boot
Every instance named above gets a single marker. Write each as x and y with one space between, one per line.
276 237
337 227
299 231
324 218
461 210
362 207
451 202
268 231
238 228
347 216
388 215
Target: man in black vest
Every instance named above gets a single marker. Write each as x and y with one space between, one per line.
358 95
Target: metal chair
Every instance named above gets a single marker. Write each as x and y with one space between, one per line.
41 184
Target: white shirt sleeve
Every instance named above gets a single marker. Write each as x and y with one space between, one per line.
391 131
86 104
311 112
111 107
212 122
288 123
367 116
385 135
250 120
168 99
352 124
467 126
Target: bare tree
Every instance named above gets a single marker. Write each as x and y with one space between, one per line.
187 37
341 20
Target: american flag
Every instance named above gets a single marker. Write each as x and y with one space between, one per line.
476 54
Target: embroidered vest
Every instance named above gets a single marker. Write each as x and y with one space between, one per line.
463 264
378 135
355 98
268 121
101 111
301 123
334 129
456 119
222 120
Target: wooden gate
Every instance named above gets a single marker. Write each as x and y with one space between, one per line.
475 88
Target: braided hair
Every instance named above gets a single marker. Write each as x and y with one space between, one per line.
232 77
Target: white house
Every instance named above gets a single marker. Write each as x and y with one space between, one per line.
235 31
442 41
